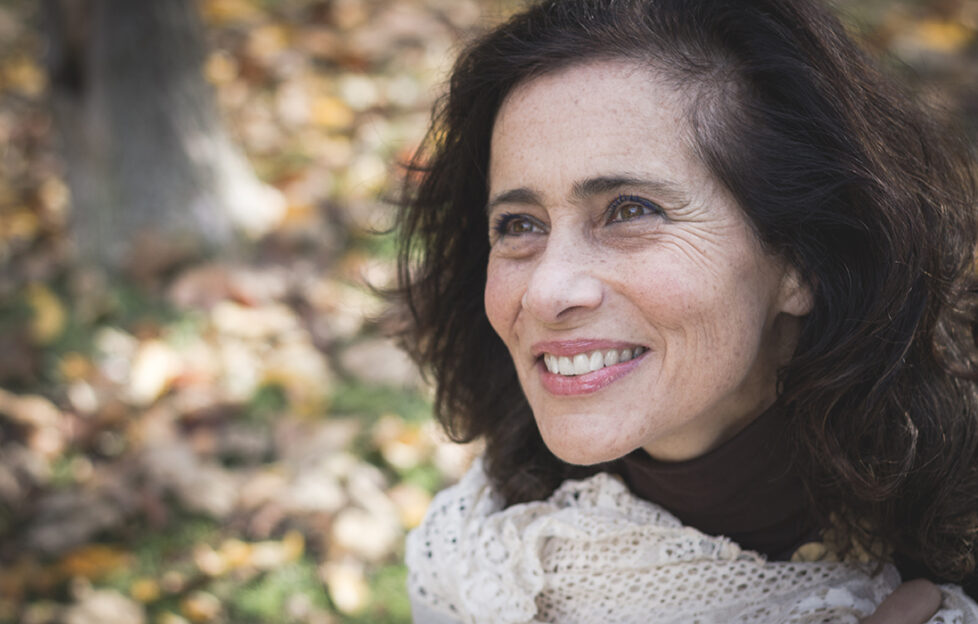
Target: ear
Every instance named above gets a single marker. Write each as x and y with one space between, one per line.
795 295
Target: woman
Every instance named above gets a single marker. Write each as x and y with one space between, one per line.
701 246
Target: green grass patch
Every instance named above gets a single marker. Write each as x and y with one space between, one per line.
266 403
266 598
373 401
389 602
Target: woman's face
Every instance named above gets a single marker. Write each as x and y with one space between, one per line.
618 261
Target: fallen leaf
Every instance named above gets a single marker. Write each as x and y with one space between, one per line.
94 561
105 606
222 12
145 590
270 554
74 366
154 368
49 315
201 607
220 68
943 36
23 74
331 112
368 536
347 585
266 41
412 503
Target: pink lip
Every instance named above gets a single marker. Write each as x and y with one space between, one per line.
587 383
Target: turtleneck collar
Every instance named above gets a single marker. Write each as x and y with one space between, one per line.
744 489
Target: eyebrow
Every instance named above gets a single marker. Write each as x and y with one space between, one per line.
599 185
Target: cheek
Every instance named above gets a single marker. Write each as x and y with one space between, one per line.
502 297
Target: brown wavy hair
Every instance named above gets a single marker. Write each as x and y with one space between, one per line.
839 172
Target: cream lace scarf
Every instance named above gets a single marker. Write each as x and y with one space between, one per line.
594 553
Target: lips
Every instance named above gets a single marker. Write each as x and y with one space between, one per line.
573 367
583 363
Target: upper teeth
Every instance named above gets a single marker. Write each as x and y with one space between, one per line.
586 362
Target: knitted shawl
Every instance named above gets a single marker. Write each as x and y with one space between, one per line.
594 553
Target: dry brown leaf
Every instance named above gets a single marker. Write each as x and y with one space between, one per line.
201 607
94 561
223 12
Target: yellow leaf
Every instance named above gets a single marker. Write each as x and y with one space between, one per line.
227 11
22 224
145 590
201 607
293 545
209 561
94 561
221 68
74 366
49 317
331 112
236 553
267 41
943 36
23 74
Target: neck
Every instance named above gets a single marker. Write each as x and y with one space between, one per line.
744 489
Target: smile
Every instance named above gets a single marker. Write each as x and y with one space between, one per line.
588 362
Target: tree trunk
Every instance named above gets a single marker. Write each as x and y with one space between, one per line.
148 162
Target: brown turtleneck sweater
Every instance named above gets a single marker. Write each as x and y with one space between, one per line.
744 489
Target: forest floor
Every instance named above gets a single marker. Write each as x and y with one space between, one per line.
236 439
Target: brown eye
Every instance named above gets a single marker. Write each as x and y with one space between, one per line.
520 226
628 208
515 225
628 211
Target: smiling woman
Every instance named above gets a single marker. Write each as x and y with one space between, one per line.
702 281
703 329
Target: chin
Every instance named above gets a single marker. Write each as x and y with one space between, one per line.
585 453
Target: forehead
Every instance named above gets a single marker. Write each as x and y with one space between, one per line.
613 115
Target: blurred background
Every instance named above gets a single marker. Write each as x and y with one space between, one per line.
201 418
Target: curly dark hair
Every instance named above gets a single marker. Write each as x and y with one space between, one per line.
839 172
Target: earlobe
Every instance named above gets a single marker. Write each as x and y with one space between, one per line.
796 296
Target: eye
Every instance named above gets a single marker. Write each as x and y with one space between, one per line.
508 224
630 207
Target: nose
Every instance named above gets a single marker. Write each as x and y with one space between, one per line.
564 284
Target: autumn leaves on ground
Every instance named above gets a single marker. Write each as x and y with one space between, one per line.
233 439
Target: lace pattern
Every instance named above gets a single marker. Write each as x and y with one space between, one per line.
593 552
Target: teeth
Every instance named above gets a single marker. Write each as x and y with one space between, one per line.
565 366
583 363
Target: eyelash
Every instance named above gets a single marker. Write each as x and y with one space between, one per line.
503 221
621 200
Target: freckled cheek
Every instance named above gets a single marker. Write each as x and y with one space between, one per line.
502 297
